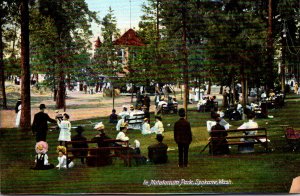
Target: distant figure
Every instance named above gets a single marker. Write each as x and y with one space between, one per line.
183 138
157 153
160 105
146 112
39 125
146 127
18 111
65 129
124 116
17 105
296 88
146 101
225 99
80 137
113 118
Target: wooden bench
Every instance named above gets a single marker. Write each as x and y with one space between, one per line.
136 119
115 151
234 137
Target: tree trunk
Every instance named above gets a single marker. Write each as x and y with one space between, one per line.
243 81
270 50
209 86
61 92
185 64
2 75
25 122
69 82
283 63
221 90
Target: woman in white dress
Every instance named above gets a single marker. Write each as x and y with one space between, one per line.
18 117
146 127
65 129
158 127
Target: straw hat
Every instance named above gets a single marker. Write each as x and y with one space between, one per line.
124 124
99 126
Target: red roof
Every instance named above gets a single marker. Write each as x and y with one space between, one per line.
129 38
98 43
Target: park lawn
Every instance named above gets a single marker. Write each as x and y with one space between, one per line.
259 172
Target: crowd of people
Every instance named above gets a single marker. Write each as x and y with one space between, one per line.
157 153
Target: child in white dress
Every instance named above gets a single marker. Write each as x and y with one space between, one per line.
62 159
65 129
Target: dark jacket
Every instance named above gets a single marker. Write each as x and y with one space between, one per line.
40 126
182 132
157 153
79 145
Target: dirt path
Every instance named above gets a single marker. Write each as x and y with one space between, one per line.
79 106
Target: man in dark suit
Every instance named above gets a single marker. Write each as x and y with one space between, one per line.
183 138
39 125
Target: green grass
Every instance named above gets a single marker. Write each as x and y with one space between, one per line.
259 172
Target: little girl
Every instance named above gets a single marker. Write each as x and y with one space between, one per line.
65 129
62 159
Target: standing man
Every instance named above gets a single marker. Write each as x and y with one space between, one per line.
39 125
183 138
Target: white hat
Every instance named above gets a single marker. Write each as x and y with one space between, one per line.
99 126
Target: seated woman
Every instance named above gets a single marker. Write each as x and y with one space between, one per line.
157 153
99 157
158 127
218 139
122 134
79 137
245 148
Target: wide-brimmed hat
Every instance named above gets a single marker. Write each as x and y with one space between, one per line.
144 107
42 106
99 126
41 147
131 107
146 119
124 124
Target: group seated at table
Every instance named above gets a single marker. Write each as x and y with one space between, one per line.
207 104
